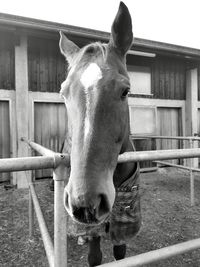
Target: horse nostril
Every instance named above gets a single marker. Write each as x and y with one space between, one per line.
104 207
85 215
95 213
86 209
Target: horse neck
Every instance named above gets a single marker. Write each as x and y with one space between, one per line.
125 170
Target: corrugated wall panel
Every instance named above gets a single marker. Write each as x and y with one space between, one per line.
50 122
4 136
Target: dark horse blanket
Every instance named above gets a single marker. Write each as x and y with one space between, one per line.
125 219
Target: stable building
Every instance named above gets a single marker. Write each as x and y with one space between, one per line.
164 98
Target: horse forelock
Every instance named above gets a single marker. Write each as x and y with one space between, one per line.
96 48
94 51
97 52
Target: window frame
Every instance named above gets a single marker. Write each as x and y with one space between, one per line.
130 68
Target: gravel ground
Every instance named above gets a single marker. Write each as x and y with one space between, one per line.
167 219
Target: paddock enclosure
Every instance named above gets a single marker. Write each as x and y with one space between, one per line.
57 252
165 96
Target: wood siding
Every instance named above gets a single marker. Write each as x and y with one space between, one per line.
7 61
47 67
50 127
198 67
168 79
198 123
167 76
169 124
198 127
4 136
145 145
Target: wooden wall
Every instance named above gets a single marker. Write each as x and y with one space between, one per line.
47 70
167 76
168 79
7 82
169 124
145 145
4 135
46 65
7 61
198 67
50 127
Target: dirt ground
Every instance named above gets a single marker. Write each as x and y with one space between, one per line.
167 219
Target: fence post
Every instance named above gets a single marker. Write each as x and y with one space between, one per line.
191 178
60 222
31 215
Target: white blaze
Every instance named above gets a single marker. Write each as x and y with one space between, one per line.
90 77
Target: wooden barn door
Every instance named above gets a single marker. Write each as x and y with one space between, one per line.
169 124
198 127
50 126
4 136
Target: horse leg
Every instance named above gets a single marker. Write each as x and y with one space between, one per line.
51 185
119 251
94 254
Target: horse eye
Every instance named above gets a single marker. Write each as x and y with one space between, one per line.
125 92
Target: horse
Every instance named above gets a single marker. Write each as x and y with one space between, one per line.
100 195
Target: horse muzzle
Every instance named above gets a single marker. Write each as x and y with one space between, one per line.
89 208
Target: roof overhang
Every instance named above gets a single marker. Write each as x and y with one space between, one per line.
19 23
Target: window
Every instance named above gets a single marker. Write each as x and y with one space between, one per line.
140 78
143 120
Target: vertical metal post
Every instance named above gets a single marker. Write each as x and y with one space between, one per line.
30 209
60 222
191 178
31 215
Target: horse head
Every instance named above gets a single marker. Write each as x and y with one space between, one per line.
95 93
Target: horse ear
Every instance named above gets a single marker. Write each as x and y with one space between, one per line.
67 48
121 31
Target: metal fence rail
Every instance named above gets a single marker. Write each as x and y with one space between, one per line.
159 155
191 169
177 166
42 162
193 138
57 256
156 255
28 163
48 245
60 164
